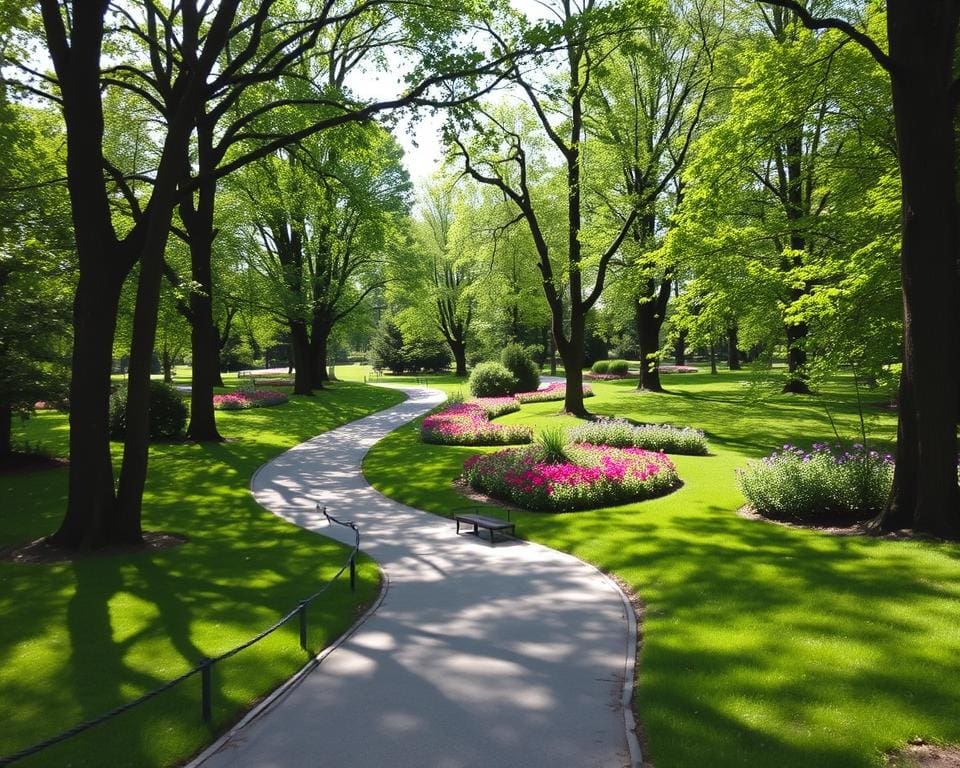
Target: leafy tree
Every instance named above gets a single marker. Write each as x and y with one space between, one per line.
922 48
36 266
497 152
327 221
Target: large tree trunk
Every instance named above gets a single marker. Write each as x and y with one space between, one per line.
733 354
680 349
302 364
204 338
922 44
649 319
571 352
91 514
166 363
6 431
459 350
796 360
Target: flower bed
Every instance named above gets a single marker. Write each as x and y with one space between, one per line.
592 476
608 376
826 481
678 369
557 390
654 437
469 424
248 398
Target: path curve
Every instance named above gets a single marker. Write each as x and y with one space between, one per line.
478 656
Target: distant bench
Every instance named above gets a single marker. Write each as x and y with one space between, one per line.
491 524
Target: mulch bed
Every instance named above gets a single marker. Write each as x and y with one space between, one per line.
834 525
22 463
40 551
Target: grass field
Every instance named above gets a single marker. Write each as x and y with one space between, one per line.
78 638
762 645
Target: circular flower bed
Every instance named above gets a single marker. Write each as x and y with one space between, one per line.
591 476
469 424
246 398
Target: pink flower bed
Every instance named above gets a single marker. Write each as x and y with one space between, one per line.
678 369
593 476
247 398
556 390
469 424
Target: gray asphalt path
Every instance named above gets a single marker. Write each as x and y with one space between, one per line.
513 655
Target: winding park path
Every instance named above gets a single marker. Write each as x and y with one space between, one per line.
501 656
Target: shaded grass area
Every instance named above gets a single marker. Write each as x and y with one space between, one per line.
762 645
79 638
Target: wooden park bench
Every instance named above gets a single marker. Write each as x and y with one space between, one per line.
491 524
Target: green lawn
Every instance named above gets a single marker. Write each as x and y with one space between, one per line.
79 638
762 645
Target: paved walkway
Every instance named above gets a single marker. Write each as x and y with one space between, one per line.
478 656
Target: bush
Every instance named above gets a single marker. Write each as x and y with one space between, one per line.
654 437
168 412
601 366
618 367
516 360
492 379
536 353
822 482
592 476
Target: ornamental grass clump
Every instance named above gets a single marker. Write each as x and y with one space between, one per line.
556 390
552 444
469 424
244 399
653 437
824 482
592 476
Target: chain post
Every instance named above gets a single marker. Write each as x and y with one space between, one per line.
206 679
302 612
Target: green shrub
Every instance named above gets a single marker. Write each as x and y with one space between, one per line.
811 485
618 367
536 353
492 379
601 366
516 360
168 412
653 437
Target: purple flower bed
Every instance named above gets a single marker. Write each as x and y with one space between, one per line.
469 424
592 476
554 391
825 480
243 399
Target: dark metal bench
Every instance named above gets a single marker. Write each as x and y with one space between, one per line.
491 524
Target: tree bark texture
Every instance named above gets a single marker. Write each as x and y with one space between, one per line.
733 353
922 41
204 338
649 315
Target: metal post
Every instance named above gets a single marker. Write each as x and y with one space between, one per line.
206 667
353 572
302 611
